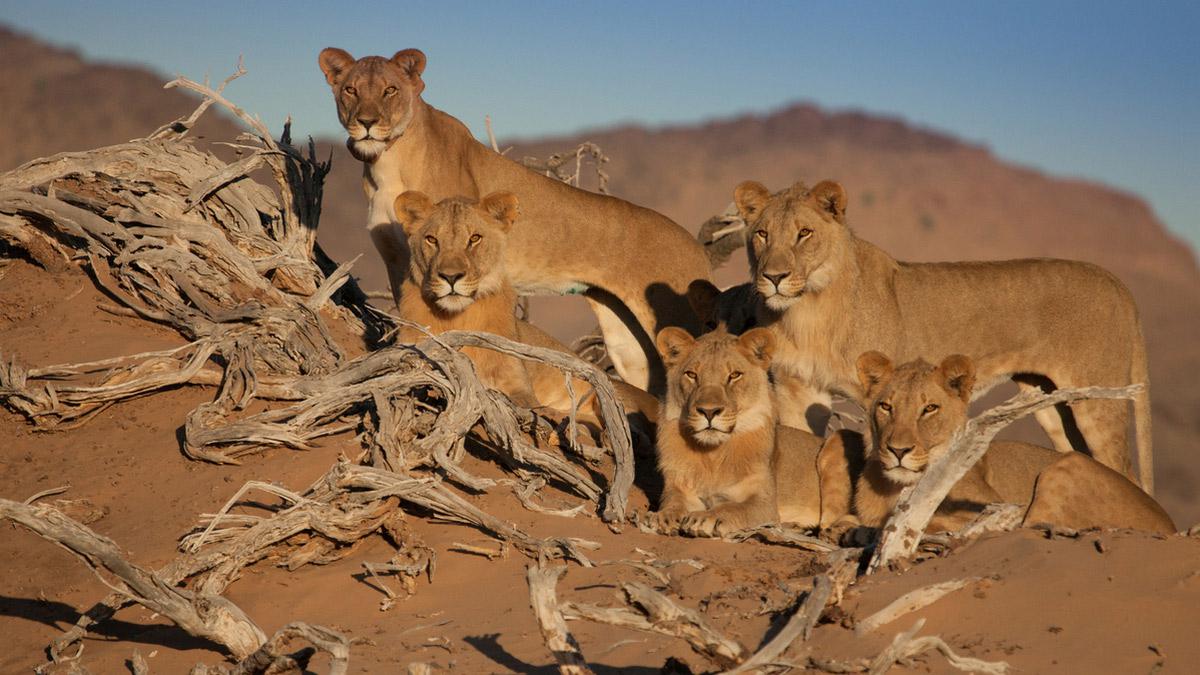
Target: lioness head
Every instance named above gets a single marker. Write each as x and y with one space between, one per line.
376 97
792 238
717 384
914 409
456 246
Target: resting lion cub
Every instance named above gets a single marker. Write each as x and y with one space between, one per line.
726 463
830 296
457 281
915 408
633 265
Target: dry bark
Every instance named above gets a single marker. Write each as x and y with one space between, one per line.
910 602
906 646
544 600
656 613
201 614
799 625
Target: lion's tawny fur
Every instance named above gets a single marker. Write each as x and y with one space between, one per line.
442 239
736 468
914 410
829 296
633 264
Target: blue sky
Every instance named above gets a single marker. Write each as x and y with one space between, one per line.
1102 90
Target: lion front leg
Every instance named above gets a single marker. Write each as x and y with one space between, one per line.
729 517
392 246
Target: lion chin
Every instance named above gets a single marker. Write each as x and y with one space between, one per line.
902 475
454 303
780 303
367 149
710 437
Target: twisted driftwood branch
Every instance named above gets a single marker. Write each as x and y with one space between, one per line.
906 646
656 613
543 599
558 165
799 625
270 658
917 504
204 615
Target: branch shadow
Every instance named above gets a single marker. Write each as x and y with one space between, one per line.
489 645
62 616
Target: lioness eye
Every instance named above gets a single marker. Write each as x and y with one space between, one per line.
804 232
474 239
885 406
690 375
735 376
351 91
431 240
931 408
389 91
761 234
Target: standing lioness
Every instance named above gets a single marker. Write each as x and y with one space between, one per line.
830 296
726 463
632 264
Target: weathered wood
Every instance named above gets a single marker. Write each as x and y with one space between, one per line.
906 646
799 625
203 615
544 600
910 602
656 613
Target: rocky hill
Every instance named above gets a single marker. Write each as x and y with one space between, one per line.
920 194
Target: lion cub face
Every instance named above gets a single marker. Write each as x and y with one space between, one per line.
717 385
376 97
914 410
456 246
791 238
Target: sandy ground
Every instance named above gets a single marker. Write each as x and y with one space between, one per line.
1103 602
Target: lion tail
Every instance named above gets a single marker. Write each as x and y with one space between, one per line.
1140 372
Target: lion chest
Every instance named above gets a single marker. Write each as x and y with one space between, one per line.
731 473
810 350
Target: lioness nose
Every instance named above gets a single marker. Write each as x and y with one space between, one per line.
711 412
451 277
899 452
776 278
367 121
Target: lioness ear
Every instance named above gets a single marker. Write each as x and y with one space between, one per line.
874 370
958 376
503 206
759 344
334 62
830 196
411 209
412 62
702 295
750 197
674 343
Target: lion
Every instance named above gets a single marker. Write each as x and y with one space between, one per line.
457 281
632 264
726 462
914 410
829 296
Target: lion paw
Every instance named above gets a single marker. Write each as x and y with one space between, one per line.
665 521
706 524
